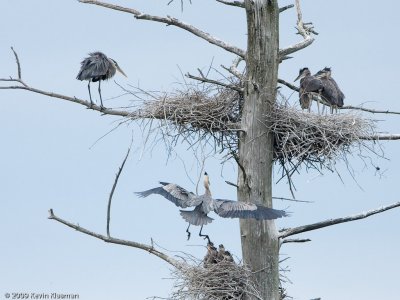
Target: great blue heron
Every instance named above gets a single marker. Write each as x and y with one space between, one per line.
224 255
98 67
331 91
205 203
308 84
211 256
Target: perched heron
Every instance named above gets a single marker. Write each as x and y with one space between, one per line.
98 67
205 203
211 256
308 84
331 91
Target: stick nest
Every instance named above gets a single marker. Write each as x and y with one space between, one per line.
223 280
311 139
316 140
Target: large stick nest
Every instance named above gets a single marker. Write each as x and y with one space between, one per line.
300 137
221 280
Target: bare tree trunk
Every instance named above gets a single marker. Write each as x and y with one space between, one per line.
259 239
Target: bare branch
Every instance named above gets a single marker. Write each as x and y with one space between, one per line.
202 78
112 240
295 241
282 9
105 111
292 231
304 30
232 184
113 189
374 111
233 69
293 200
18 64
232 3
289 85
381 137
171 21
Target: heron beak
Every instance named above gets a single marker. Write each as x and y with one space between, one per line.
120 70
297 78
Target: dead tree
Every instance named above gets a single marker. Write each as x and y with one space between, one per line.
241 117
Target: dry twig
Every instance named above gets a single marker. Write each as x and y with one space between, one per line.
171 21
296 230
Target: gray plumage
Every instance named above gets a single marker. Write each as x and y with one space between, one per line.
331 91
205 203
97 67
211 256
308 84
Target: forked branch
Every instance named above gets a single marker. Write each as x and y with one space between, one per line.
149 248
296 230
171 21
305 30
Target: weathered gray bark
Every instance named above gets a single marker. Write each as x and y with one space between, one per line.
260 239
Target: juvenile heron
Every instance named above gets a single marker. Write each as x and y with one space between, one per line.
331 91
98 67
308 84
211 256
224 255
205 203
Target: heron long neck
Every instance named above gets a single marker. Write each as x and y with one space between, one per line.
207 186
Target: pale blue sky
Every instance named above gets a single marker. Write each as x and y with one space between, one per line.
46 160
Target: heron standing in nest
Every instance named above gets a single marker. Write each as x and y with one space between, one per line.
98 67
211 256
224 255
331 91
205 203
309 84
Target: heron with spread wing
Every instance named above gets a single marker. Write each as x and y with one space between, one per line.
205 203
98 67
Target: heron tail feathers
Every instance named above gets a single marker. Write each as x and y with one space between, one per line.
195 217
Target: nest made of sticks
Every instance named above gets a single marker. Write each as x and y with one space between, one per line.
315 140
213 111
220 281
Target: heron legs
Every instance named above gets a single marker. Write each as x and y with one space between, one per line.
188 232
101 100
205 235
90 95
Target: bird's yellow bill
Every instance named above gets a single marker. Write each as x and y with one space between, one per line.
120 70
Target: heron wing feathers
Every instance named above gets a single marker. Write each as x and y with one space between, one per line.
311 84
93 67
243 210
174 193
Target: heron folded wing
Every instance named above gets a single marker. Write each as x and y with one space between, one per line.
311 84
94 66
243 210
174 193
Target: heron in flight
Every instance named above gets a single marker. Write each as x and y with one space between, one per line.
308 84
98 67
206 203
331 91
